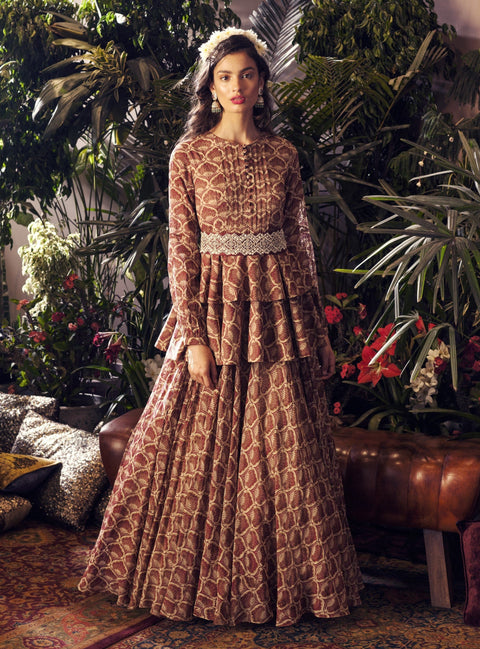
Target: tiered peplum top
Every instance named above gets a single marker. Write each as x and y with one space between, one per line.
258 307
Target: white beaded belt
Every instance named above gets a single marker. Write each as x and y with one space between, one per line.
243 244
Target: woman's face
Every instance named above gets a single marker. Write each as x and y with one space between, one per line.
237 82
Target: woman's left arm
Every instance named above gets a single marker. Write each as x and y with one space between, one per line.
299 242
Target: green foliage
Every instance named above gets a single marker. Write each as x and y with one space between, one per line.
384 33
51 351
431 254
169 31
29 167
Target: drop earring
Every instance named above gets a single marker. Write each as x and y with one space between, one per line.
260 103
215 108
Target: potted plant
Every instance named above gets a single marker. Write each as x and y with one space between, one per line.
51 345
428 266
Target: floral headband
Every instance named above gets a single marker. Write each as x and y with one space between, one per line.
217 37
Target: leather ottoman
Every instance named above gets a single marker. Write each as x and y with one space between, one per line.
392 479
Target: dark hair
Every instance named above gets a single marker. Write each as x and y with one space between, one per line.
200 118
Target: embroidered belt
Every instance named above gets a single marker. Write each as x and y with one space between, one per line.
243 244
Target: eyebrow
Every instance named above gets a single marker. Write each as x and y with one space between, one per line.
230 72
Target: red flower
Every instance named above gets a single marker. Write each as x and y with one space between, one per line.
337 408
80 322
112 351
38 336
440 365
476 366
362 311
475 343
341 296
420 325
95 326
22 304
358 331
384 333
381 367
333 314
347 370
69 282
57 316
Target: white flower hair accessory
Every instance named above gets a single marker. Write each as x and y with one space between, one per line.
217 37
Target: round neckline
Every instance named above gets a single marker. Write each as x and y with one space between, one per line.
234 143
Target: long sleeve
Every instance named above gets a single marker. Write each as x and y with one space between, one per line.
183 251
297 231
296 228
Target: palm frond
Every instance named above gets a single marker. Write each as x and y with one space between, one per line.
276 21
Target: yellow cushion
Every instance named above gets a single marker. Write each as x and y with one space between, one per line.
20 474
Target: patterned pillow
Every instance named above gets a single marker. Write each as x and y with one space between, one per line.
68 495
20 474
13 408
13 510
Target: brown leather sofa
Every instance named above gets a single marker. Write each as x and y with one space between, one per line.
397 480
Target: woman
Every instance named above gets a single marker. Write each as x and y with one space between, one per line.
228 505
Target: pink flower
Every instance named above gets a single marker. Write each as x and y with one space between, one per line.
362 311
57 316
38 336
72 326
112 351
333 314
22 304
347 370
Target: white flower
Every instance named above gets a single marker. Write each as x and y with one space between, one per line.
152 369
47 260
425 384
217 37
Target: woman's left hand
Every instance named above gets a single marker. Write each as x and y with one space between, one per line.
327 359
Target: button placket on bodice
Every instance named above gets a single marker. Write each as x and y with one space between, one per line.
249 179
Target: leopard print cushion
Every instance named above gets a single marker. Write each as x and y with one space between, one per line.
13 509
13 408
68 495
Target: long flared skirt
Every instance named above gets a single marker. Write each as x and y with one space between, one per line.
228 505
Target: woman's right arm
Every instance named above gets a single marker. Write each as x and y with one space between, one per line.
183 251
184 265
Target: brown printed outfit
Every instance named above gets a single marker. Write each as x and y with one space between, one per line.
228 505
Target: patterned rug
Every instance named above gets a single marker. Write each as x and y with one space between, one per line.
40 607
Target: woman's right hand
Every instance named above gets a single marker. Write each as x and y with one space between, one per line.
201 365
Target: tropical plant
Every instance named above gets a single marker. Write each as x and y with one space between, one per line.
31 168
118 102
430 258
374 385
